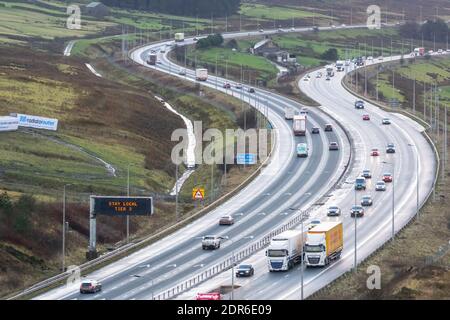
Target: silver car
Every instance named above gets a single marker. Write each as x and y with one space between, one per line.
380 186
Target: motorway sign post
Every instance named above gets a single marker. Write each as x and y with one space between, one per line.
198 193
246 158
114 206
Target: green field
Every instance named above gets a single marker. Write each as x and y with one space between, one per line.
19 20
234 59
264 12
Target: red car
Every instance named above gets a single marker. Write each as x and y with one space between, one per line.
375 152
387 177
208 296
366 117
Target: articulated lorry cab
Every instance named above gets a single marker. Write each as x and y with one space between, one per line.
340 65
289 113
285 250
324 243
152 58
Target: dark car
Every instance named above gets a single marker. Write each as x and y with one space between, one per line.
227 85
366 200
357 211
359 104
390 148
333 211
367 174
328 127
245 270
251 90
333 146
315 130
90 286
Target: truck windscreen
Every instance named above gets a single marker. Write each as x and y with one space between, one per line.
276 253
309 248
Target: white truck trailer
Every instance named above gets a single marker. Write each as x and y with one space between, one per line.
285 250
179 37
289 113
201 74
324 243
299 125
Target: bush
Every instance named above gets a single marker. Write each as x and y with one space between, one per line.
330 55
210 41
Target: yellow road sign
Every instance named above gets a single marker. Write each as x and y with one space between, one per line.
198 193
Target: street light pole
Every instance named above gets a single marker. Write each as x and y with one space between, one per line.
128 195
64 230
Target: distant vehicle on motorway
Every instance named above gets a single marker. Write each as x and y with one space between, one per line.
333 146
360 183
390 148
285 250
333 211
366 174
328 127
374 152
366 200
299 125
288 113
319 75
386 121
357 211
182 72
302 150
359 104
226 220
210 242
245 270
227 86
209 296
380 186
366 117
251 90
315 130
261 30
324 243
201 74
313 223
90 286
238 86
195 39
387 177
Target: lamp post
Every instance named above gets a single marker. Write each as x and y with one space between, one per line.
233 262
64 229
393 196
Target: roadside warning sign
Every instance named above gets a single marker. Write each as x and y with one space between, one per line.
198 193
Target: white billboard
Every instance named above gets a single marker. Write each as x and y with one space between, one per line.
36 122
9 124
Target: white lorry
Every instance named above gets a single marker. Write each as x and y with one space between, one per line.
285 250
289 113
299 125
324 243
179 37
340 65
210 242
201 74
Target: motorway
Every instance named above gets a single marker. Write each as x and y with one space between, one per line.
285 183
374 228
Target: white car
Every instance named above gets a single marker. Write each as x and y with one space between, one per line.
440 51
182 72
210 242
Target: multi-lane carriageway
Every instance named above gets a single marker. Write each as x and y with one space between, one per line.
286 183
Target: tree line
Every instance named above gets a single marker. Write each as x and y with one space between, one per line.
436 30
200 8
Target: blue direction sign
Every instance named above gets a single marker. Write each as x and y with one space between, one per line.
246 158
